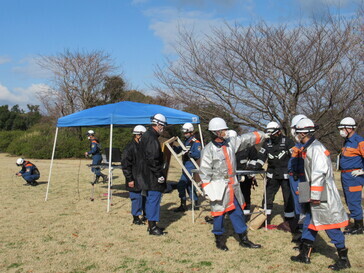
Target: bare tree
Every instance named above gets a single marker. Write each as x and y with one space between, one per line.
262 72
78 79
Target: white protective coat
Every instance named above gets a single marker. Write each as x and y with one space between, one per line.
319 172
217 171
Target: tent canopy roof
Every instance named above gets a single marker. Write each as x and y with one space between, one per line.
123 114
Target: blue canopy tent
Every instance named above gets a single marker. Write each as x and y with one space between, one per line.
121 114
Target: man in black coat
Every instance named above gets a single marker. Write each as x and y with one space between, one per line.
153 177
277 150
131 164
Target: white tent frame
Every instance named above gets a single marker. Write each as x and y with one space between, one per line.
109 195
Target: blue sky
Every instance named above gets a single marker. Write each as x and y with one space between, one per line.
138 34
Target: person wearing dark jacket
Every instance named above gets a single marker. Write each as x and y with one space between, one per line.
243 157
153 177
277 150
130 162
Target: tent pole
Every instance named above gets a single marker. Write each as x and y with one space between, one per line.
199 129
110 171
50 168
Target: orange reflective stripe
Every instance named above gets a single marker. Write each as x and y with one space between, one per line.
327 153
349 171
243 206
231 176
317 188
204 184
355 188
218 213
257 135
350 152
296 152
304 154
330 226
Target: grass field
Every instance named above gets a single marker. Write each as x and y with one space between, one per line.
69 233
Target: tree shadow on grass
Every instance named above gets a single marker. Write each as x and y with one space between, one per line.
168 216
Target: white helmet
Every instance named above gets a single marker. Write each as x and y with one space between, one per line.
139 130
296 119
305 125
187 128
217 124
272 128
20 161
347 122
159 119
90 133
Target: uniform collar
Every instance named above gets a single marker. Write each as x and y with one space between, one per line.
309 142
220 144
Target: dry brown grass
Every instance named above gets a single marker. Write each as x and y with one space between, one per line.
69 233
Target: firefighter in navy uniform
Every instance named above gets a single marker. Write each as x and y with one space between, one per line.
243 158
131 166
352 172
193 150
95 152
29 172
277 150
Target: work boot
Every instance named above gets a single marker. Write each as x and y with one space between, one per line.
104 178
220 242
144 218
343 261
154 229
96 180
137 220
356 229
195 205
34 183
305 252
244 241
182 207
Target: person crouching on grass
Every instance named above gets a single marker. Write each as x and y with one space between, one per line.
217 173
323 209
29 172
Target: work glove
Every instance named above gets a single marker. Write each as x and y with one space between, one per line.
242 178
357 172
161 180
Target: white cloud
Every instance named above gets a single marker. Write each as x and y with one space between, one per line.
4 59
166 21
30 67
21 96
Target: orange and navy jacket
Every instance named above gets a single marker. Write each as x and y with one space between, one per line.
352 153
296 162
94 147
29 167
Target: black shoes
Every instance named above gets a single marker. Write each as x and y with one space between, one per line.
137 220
182 207
305 252
343 261
220 242
153 229
356 229
245 242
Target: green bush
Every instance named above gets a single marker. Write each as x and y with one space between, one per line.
37 142
7 137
